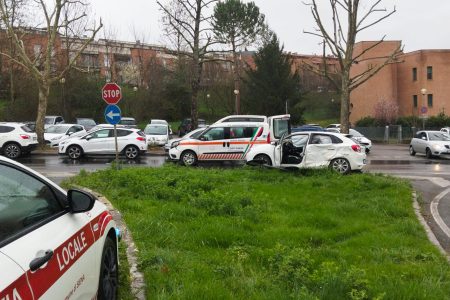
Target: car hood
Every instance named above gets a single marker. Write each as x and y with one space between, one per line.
49 136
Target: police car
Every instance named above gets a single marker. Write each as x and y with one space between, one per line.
230 139
53 244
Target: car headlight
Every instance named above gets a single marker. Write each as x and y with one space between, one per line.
437 147
174 144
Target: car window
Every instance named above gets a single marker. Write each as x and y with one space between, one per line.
5 129
121 132
24 201
438 136
195 135
321 139
242 132
216 133
59 120
299 140
423 135
335 140
280 127
104 133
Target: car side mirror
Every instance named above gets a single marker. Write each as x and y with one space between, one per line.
88 137
424 138
69 133
80 201
202 138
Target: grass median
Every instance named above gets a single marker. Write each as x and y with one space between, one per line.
266 234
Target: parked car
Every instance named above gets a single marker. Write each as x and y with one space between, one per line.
229 141
430 143
307 128
356 136
52 120
128 122
186 126
131 143
87 123
55 134
194 134
53 244
334 126
311 150
16 139
157 134
164 122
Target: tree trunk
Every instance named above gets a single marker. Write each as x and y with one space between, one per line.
195 86
237 82
345 105
44 91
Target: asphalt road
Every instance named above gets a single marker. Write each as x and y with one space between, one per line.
431 178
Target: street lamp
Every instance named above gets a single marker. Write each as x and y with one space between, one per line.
423 108
63 98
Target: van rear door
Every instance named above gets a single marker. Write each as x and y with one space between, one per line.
279 125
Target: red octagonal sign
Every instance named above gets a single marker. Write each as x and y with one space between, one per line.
111 93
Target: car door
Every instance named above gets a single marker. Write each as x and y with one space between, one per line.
13 283
52 246
279 125
291 150
320 150
100 142
421 142
242 139
213 144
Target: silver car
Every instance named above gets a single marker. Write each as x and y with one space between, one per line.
430 143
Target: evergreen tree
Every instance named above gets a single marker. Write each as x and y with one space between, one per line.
272 83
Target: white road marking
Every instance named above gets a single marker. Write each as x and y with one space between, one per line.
435 212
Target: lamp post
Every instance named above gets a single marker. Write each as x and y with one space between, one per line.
423 108
236 102
63 97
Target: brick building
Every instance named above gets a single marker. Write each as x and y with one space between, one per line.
417 83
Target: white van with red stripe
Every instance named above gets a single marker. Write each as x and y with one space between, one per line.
53 244
230 139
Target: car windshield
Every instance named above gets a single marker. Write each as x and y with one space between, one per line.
155 130
438 136
159 122
49 120
56 129
355 133
88 122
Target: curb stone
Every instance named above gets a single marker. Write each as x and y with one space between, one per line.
431 237
137 278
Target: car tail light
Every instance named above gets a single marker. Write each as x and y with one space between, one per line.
140 138
25 136
268 138
356 148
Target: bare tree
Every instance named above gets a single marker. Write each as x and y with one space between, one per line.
349 18
194 28
41 66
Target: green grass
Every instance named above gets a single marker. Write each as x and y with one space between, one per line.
266 234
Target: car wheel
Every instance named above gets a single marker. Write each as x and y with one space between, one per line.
188 158
411 151
340 165
428 153
109 272
131 152
74 152
264 158
12 150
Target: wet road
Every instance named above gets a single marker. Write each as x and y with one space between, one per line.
431 178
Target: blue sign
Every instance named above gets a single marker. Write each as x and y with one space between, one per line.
113 114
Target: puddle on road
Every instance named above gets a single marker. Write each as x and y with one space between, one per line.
408 162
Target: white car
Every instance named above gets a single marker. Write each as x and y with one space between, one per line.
55 134
190 135
128 122
16 139
157 134
164 122
430 143
53 244
52 120
311 150
228 141
131 143
357 136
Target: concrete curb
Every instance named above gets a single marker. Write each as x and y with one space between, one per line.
137 278
427 228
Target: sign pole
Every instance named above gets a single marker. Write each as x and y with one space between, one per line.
117 146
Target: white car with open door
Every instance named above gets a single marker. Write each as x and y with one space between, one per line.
131 143
311 150
229 141
53 244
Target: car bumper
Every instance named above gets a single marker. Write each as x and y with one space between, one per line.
174 154
29 147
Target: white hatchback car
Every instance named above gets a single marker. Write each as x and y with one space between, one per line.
311 150
430 143
55 134
53 244
157 134
16 139
131 143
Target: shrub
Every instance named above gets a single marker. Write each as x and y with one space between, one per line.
366 122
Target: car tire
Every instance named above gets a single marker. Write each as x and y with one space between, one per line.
411 151
109 272
340 165
131 152
264 158
12 150
74 152
428 153
188 158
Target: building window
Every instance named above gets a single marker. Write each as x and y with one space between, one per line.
414 74
429 72
415 101
430 100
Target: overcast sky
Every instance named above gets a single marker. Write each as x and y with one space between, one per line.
419 24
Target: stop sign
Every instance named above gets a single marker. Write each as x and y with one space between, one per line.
111 93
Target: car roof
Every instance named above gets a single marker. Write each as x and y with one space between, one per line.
128 118
12 123
157 125
232 124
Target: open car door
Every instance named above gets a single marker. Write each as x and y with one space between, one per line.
279 125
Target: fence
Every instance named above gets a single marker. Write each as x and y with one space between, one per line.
393 134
